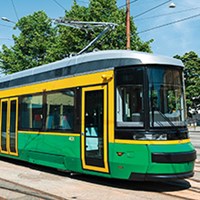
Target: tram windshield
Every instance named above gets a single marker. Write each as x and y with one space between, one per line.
151 96
166 99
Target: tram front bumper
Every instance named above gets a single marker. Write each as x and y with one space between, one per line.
159 177
168 166
180 157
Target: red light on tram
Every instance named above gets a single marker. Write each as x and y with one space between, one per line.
120 153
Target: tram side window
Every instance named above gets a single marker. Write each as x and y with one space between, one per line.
60 110
129 97
31 112
129 102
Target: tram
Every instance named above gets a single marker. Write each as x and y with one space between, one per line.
114 113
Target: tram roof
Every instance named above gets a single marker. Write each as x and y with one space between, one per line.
85 63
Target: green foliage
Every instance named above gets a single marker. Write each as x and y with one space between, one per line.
33 46
40 42
192 78
101 11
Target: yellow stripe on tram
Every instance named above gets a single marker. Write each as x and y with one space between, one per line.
49 133
152 142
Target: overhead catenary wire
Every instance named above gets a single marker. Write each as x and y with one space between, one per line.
170 23
133 1
7 26
15 10
167 24
5 39
168 14
59 5
130 3
84 2
163 25
153 8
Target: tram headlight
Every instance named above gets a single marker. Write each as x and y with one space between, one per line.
147 136
157 136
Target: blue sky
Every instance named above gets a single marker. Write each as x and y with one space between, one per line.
177 38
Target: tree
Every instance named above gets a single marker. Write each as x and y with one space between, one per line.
101 11
39 42
33 46
192 78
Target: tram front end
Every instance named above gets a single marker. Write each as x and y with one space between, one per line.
151 136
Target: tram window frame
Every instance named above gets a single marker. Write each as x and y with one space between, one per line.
77 112
68 125
134 86
167 87
37 116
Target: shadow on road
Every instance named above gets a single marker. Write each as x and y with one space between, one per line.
136 185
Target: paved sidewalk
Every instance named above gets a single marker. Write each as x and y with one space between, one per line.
194 128
197 162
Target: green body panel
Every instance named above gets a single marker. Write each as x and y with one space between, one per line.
134 158
171 148
64 152
137 159
58 151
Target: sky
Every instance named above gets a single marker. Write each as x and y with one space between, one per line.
174 39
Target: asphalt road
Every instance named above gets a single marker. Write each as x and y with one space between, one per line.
195 139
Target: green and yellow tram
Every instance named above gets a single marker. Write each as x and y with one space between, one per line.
117 114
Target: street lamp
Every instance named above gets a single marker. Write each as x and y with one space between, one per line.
128 34
7 20
172 5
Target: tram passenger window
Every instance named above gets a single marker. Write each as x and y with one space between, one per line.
60 110
31 112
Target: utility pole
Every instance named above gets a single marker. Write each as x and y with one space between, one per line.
128 34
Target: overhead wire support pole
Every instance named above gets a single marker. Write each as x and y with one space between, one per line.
128 32
87 25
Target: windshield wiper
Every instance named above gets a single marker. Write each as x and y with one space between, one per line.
166 118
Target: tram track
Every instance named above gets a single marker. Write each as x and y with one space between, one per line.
183 189
191 185
32 193
186 189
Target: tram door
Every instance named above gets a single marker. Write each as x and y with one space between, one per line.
8 126
94 145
